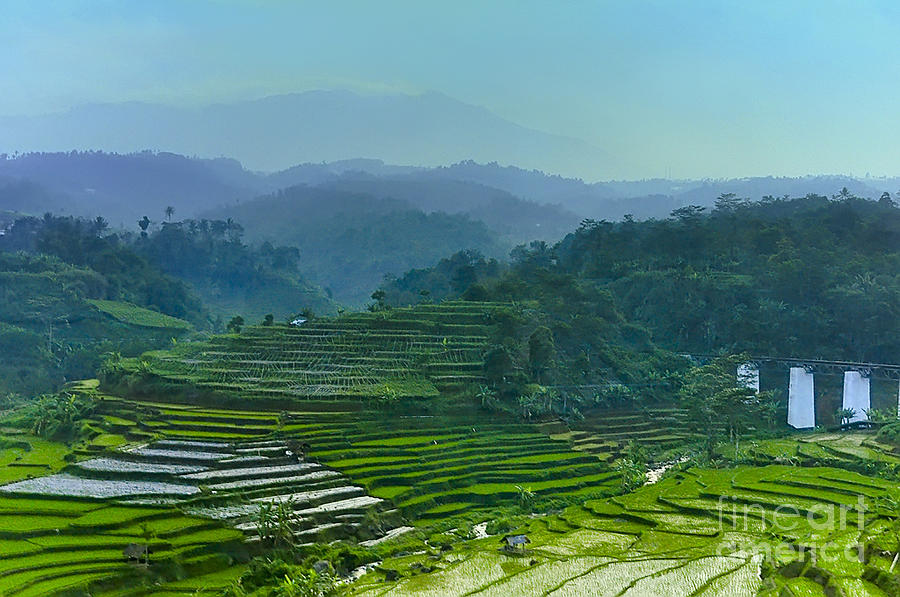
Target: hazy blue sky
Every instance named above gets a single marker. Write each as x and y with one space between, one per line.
688 88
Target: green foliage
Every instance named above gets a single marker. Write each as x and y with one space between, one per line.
634 474
125 275
277 522
460 274
541 351
228 274
562 334
716 401
134 315
235 324
890 433
525 497
881 415
58 416
843 415
498 365
304 583
50 331
778 277
280 579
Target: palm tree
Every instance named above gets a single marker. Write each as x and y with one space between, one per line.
144 223
844 415
525 495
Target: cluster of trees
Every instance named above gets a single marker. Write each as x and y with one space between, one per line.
451 276
814 276
49 333
199 271
228 274
564 347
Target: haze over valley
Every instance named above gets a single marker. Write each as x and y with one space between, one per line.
308 299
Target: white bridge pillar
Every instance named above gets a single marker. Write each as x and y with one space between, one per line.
857 395
748 375
801 399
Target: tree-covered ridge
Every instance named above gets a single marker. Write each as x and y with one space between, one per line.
230 276
73 291
811 276
349 241
51 332
90 245
170 266
808 276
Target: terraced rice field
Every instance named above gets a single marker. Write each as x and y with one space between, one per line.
605 434
134 315
207 471
410 352
430 467
63 543
856 451
702 532
189 482
425 466
192 480
196 477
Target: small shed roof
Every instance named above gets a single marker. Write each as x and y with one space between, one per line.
135 550
516 539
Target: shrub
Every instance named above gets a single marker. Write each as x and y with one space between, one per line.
59 416
283 579
890 433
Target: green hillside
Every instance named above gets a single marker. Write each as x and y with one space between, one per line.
54 325
811 276
385 356
134 315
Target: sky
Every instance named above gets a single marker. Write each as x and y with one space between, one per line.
686 89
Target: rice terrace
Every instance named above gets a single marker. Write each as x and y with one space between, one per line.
455 299
338 441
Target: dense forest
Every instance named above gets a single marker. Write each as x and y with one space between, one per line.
812 277
53 330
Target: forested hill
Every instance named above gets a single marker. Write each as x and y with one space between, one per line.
511 200
348 241
121 188
206 261
812 277
72 290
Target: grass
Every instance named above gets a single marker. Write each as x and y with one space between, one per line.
40 457
134 315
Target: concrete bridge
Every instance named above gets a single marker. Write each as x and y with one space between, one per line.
801 411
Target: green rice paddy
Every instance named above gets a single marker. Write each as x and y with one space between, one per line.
698 532
781 525
134 315
412 352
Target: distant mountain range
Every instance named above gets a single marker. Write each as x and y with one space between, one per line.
124 187
277 132
357 220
